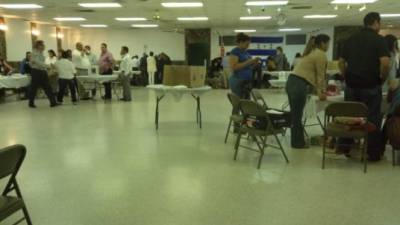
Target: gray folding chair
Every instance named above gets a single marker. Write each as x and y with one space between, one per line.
257 97
235 119
253 110
331 129
11 159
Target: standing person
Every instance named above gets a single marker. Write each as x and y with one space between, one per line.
143 67
106 63
125 73
25 68
364 62
39 75
164 60
91 57
227 71
308 76
82 66
242 65
51 59
282 63
151 67
135 63
393 48
66 72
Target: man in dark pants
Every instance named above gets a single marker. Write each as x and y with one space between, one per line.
39 75
364 62
106 63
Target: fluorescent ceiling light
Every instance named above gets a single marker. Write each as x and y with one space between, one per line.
289 29
21 6
69 19
266 3
245 31
130 19
144 25
182 4
319 16
93 25
255 18
353 1
101 5
390 15
193 18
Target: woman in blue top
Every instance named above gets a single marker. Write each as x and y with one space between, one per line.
242 67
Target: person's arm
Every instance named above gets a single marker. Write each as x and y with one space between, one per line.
9 68
236 65
321 63
385 67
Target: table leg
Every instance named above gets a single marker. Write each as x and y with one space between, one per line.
158 99
198 111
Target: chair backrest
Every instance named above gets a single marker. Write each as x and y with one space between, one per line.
251 108
11 159
235 102
257 97
347 109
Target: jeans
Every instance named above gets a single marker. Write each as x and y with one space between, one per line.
297 90
372 98
240 87
63 83
107 85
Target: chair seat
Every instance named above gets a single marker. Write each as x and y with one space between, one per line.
9 205
259 132
338 130
237 118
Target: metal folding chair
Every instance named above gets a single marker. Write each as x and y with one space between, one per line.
253 110
331 129
235 119
11 159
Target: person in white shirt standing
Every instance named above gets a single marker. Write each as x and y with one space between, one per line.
125 73
151 67
50 60
66 73
82 65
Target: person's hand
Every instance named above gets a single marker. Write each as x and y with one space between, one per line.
322 97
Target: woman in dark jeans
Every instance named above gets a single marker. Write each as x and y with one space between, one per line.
308 76
242 67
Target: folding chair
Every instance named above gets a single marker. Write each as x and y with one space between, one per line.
252 110
235 118
331 129
11 159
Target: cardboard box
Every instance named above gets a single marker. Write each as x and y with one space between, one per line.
190 76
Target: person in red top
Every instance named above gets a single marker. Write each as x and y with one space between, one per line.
106 63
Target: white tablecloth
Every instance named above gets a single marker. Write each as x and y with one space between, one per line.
14 81
97 78
178 91
315 106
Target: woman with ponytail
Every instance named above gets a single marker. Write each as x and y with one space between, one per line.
308 77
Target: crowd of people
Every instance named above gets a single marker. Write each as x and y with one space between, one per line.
57 72
369 63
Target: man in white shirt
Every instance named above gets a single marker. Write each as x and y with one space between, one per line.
66 73
125 73
82 65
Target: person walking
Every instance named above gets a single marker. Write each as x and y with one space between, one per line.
309 76
66 72
365 64
39 75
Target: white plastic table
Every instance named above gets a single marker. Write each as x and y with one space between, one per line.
178 92
14 81
97 78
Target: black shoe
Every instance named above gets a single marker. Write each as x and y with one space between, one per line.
32 106
55 105
306 146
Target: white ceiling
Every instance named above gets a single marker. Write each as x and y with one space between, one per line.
222 13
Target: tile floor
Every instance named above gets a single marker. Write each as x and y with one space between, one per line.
105 164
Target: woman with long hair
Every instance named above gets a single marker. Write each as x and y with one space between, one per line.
308 77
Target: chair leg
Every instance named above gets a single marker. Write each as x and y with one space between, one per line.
237 145
261 153
324 152
281 148
227 132
26 215
365 154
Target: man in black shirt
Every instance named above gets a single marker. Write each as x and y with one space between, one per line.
364 62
